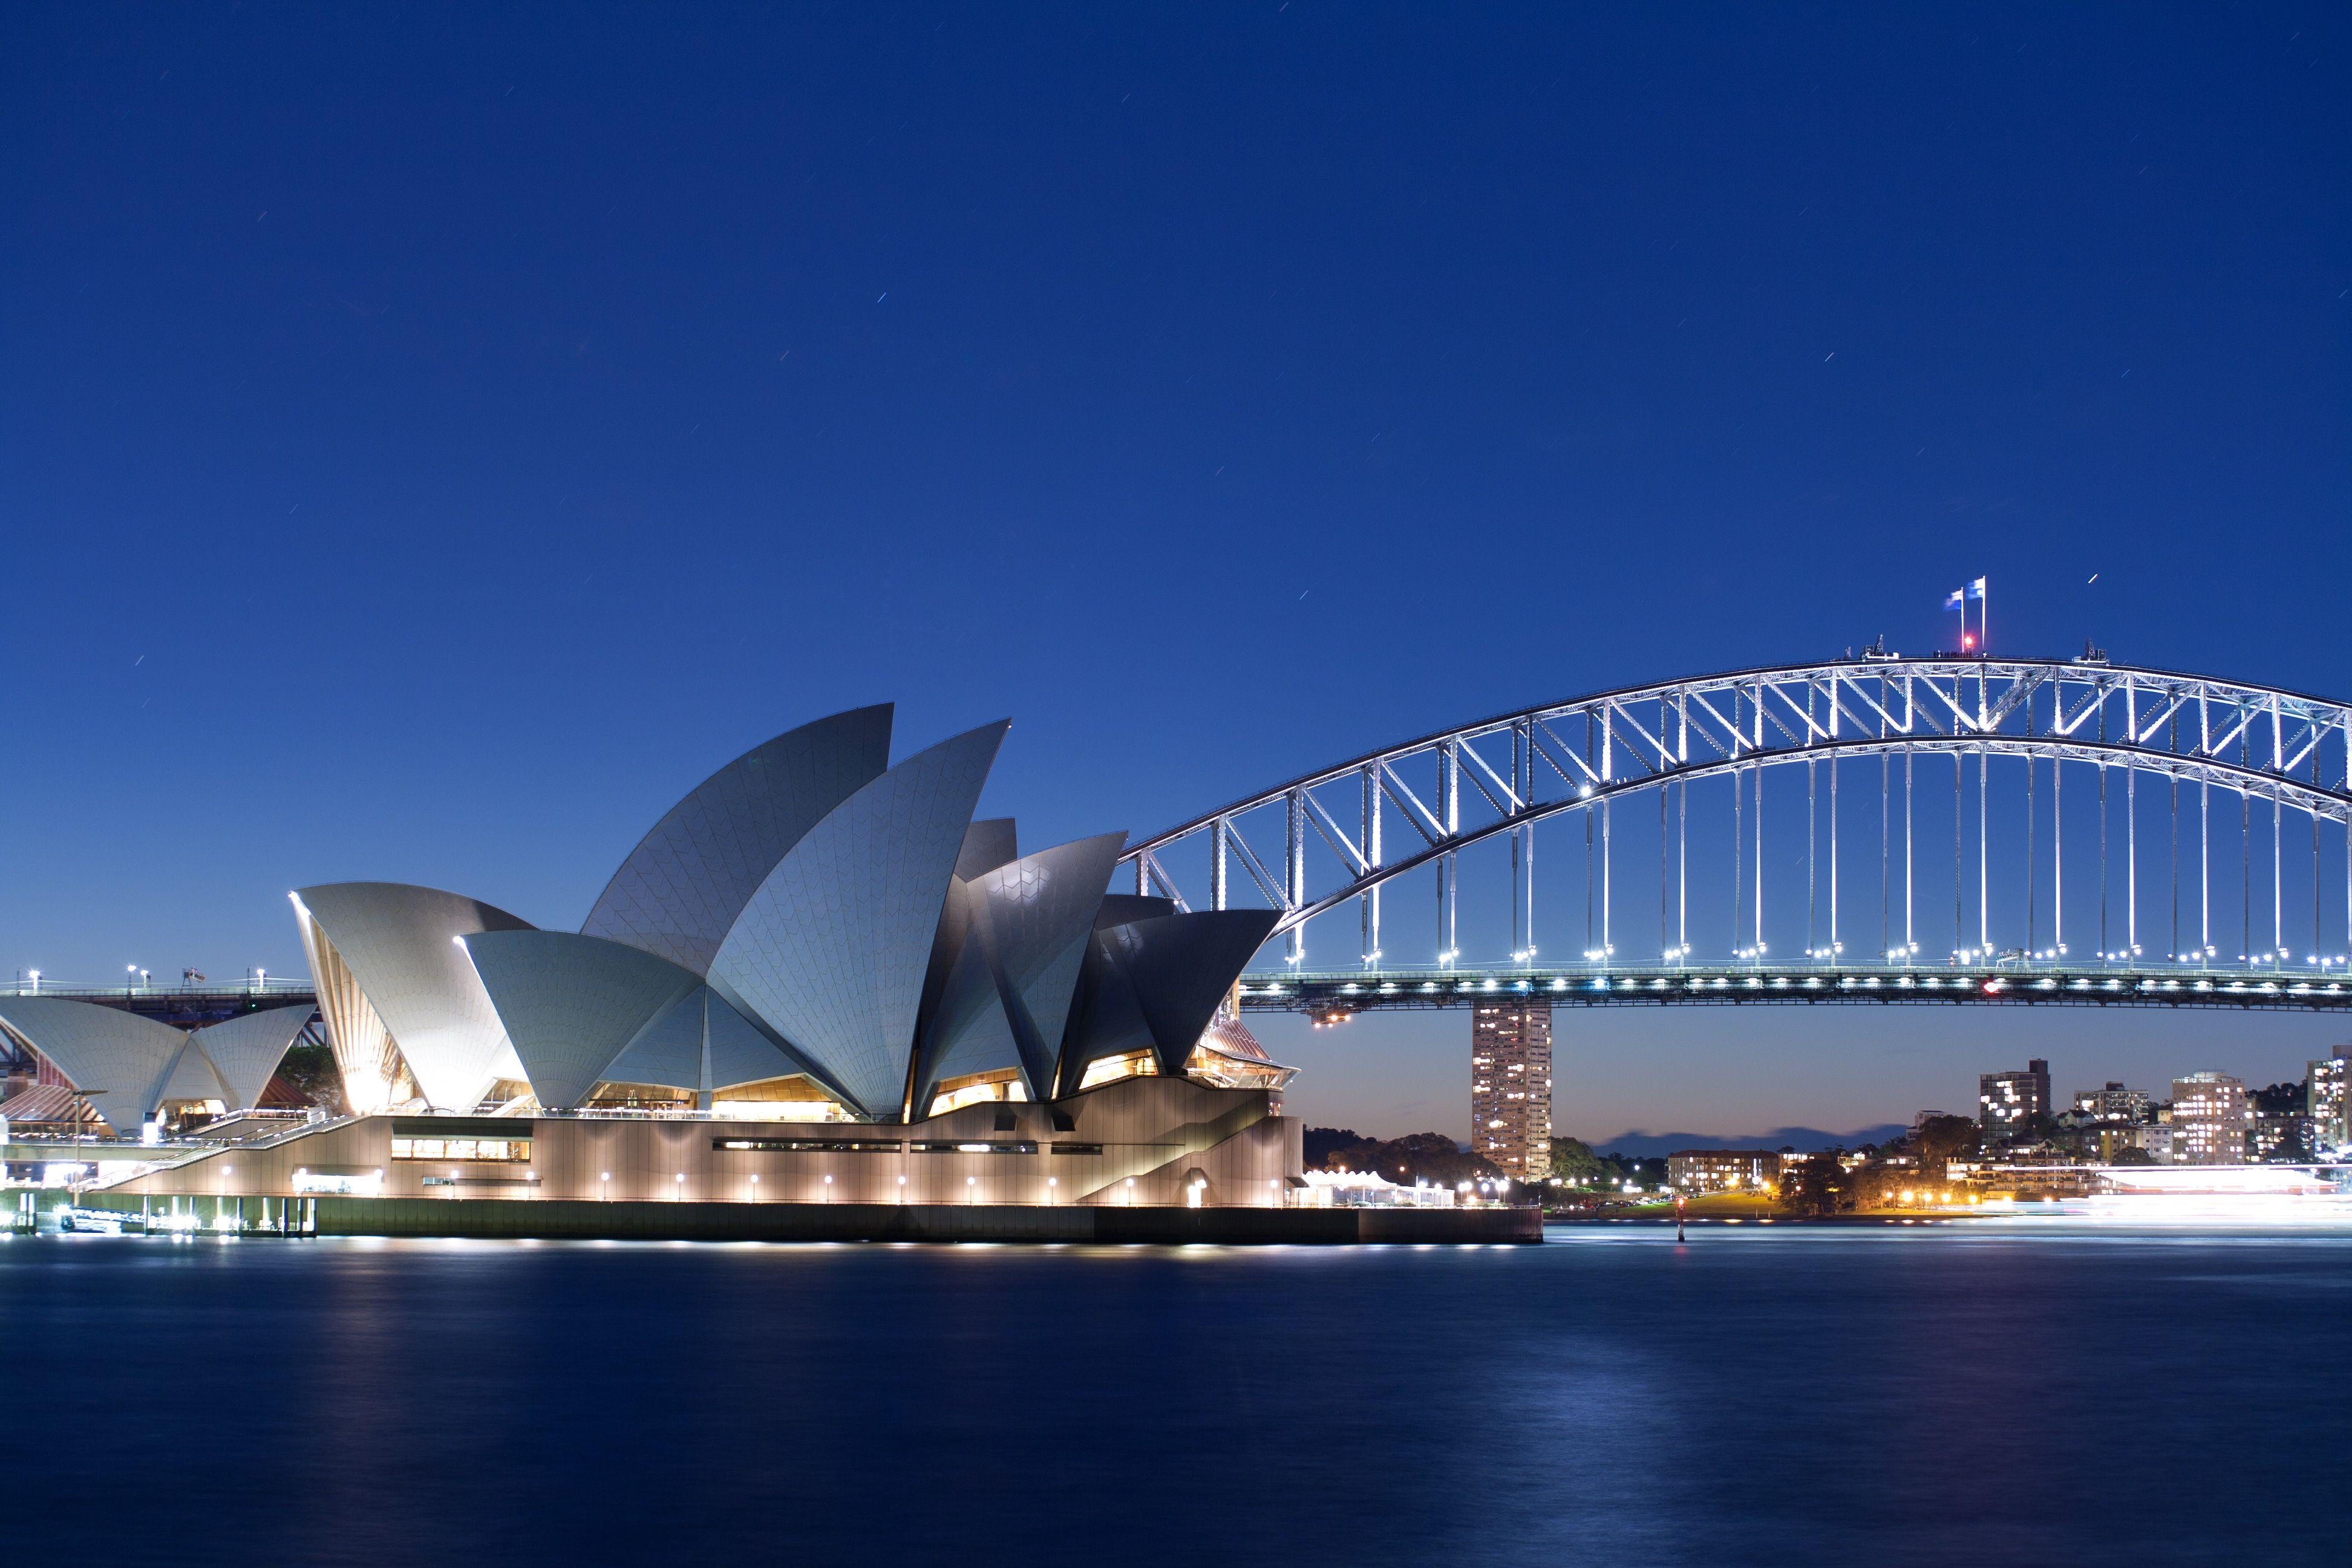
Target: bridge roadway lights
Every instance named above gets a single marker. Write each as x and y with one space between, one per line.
1329 999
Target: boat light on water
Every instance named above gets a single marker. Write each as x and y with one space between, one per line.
2219 1194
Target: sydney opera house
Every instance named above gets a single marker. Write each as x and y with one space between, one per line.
817 979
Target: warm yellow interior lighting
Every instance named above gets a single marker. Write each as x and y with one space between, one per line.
1111 1070
977 1089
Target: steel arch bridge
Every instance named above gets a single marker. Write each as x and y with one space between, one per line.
2012 930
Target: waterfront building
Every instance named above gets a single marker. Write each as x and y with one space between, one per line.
812 944
2113 1102
2326 1105
1510 1088
2013 1104
2209 1120
1724 1171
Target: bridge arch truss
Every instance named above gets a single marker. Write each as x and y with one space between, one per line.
1348 833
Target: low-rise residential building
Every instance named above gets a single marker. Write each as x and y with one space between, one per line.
2153 1139
2112 1103
1724 1171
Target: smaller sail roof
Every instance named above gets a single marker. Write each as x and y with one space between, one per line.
570 1005
403 946
245 1049
1039 911
120 1061
700 1043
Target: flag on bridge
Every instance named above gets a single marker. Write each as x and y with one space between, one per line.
1957 599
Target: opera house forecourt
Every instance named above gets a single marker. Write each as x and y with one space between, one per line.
817 1000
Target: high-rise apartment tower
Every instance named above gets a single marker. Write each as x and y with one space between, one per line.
2209 1120
2015 1104
1510 1088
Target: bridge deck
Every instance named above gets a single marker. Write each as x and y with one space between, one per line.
1743 985
183 1006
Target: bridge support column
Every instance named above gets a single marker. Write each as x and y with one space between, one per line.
1293 867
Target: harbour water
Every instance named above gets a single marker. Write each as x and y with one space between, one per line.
1985 1393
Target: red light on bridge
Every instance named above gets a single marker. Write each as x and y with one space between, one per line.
1967 642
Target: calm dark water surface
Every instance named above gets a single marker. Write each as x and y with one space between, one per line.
1763 1396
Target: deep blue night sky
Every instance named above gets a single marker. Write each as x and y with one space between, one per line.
432 439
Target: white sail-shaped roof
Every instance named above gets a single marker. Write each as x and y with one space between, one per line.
245 1049
702 1043
570 1005
120 1061
740 1053
668 1050
365 1058
969 1030
987 843
193 1077
1040 911
402 946
681 889
831 951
